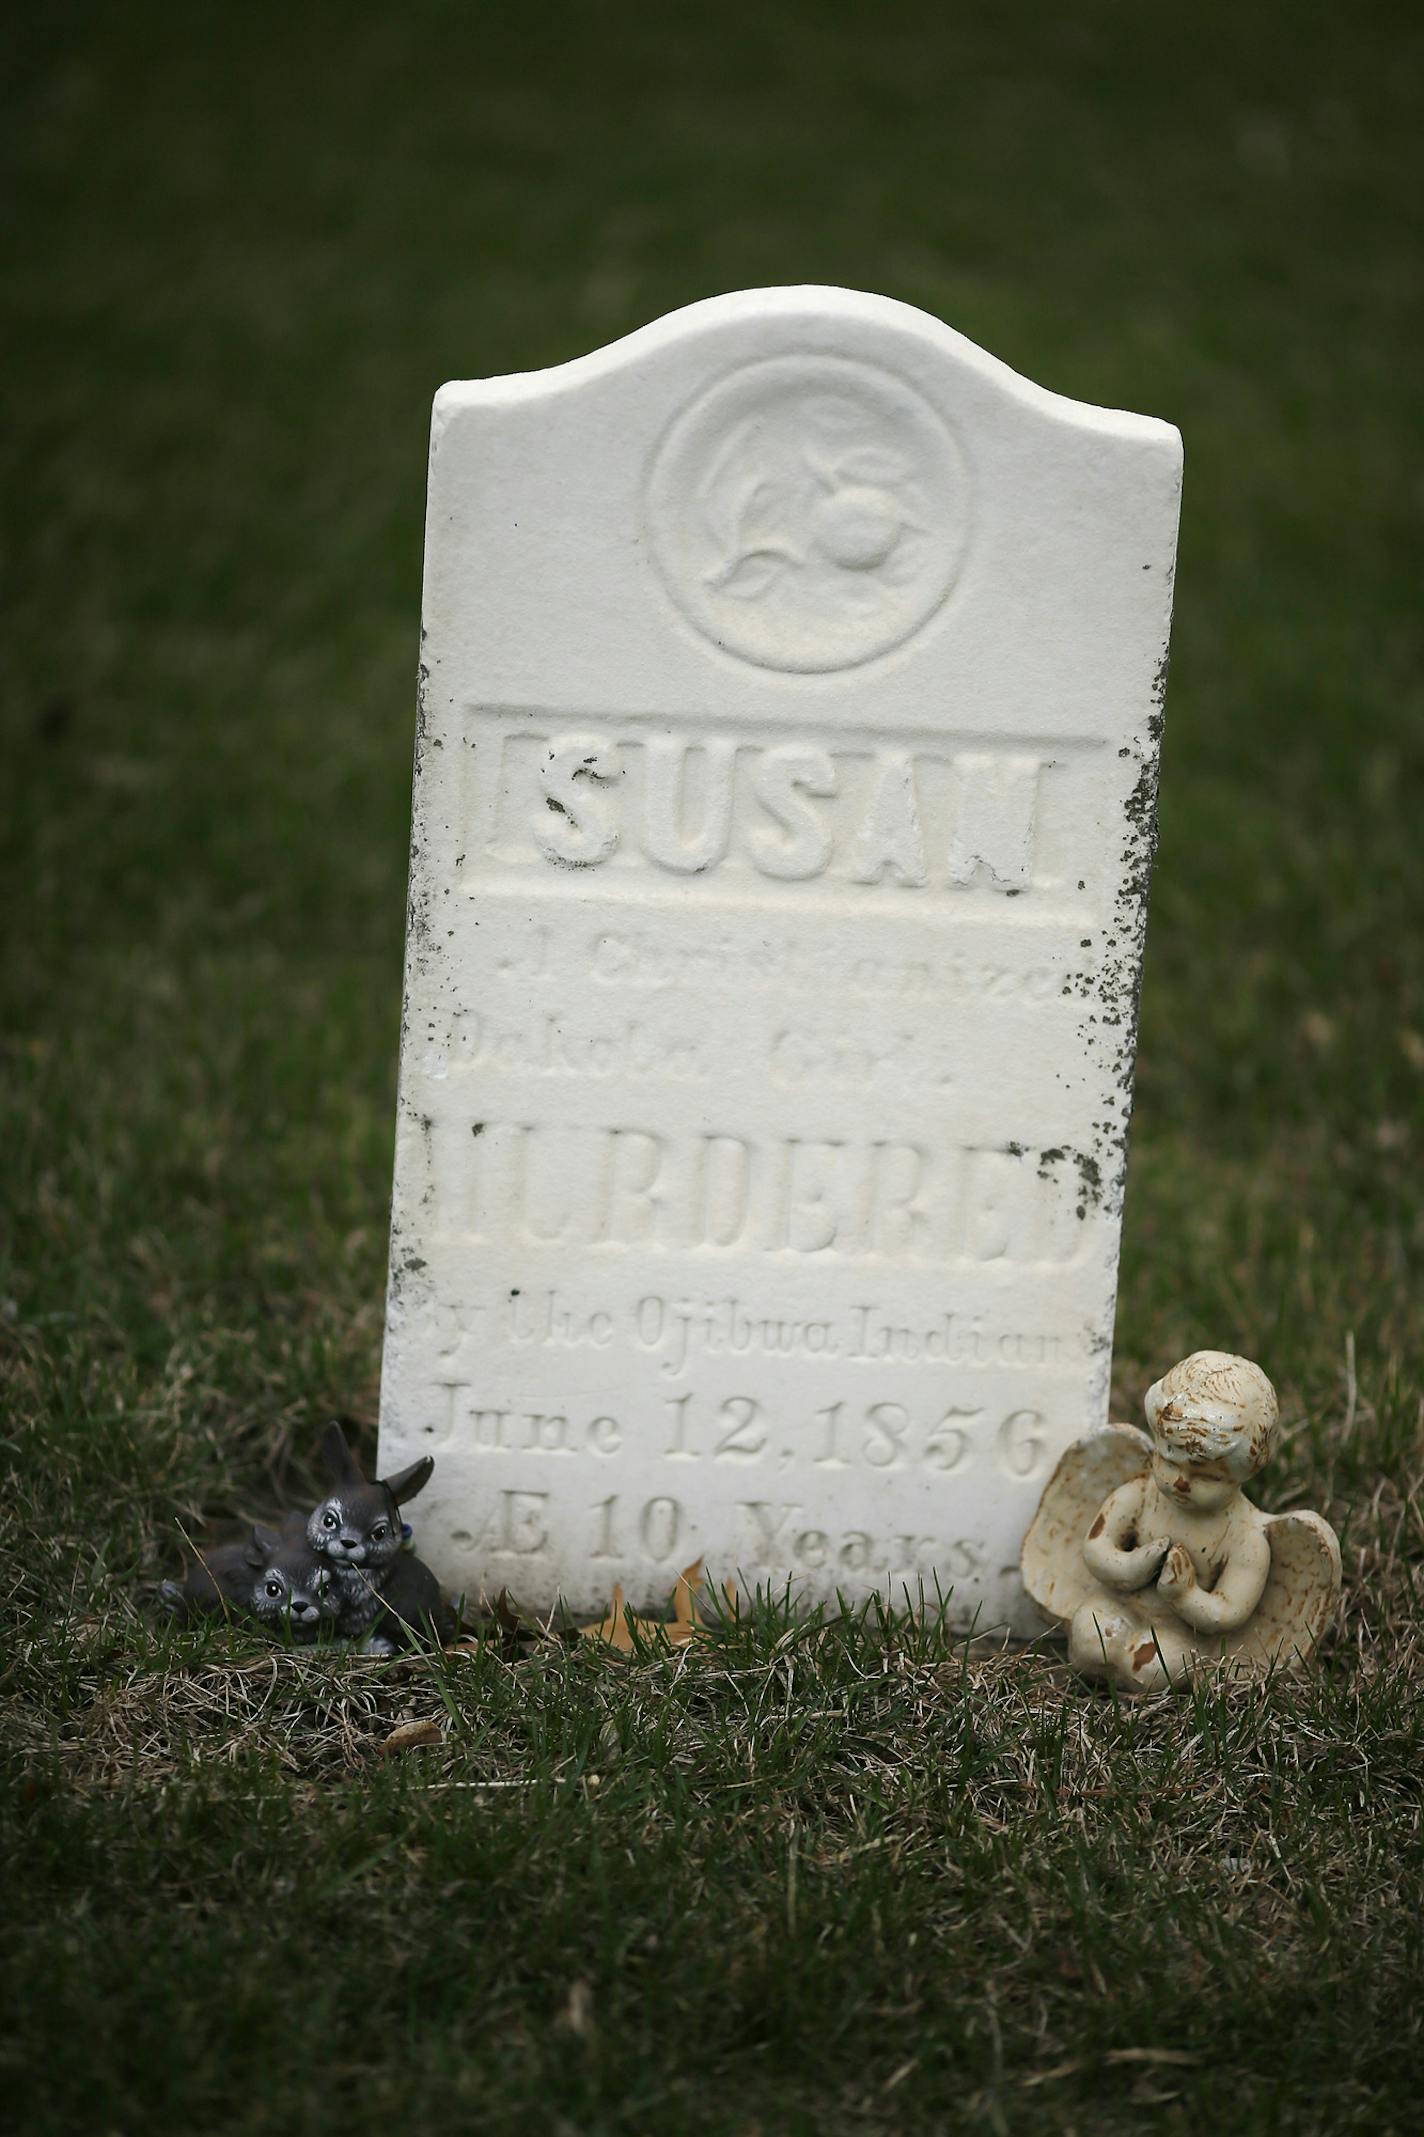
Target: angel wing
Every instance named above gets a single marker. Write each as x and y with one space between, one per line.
1300 1594
1091 1470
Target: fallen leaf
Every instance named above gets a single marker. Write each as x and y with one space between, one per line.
684 1598
686 1617
1150 2055
410 1733
617 1630
623 1630
516 1633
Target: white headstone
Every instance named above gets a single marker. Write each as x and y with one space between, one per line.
784 811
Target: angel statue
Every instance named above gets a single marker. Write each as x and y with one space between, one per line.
1152 1554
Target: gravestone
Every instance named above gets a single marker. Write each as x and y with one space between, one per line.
784 808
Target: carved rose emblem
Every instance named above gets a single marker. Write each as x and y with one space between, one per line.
820 500
809 511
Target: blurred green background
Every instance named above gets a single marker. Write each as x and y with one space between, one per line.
244 245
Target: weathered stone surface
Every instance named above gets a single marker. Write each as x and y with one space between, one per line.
789 714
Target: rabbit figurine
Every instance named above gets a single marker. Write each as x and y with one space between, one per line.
278 1579
385 1592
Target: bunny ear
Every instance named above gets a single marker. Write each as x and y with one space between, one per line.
338 1461
407 1482
260 1545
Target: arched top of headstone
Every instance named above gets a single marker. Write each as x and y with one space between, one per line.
808 315
810 478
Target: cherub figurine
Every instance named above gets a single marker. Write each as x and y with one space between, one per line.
1153 1555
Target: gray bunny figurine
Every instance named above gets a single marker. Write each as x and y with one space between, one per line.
278 1579
385 1592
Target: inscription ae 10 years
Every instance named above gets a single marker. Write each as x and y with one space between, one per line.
770 1535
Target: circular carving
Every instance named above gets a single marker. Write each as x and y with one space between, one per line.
809 512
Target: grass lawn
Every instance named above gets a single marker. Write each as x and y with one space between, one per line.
830 1879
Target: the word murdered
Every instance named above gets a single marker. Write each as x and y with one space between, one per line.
600 1188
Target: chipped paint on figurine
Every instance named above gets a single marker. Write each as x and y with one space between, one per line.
1151 1554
